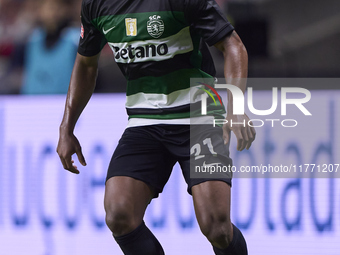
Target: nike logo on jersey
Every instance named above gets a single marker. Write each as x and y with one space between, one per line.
106 31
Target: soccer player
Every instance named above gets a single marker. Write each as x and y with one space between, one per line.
159 46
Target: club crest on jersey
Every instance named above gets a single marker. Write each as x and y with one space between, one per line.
155 26
131 26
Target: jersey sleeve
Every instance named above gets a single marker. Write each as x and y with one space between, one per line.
207 20
91 40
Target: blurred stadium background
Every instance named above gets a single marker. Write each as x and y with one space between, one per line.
44 210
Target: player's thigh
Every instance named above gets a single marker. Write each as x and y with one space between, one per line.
212 203
141 155
126 196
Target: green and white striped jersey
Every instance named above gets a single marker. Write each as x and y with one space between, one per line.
158 47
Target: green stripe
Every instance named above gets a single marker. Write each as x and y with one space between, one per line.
165 84
173 23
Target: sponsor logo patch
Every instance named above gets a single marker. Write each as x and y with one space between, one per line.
140 52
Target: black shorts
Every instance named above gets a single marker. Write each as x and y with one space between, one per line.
148 153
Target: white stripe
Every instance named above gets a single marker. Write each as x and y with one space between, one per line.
135 122
156 101
177 44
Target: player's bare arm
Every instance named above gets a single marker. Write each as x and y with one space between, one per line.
235 72
81 87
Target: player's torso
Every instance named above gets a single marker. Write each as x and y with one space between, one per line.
158 53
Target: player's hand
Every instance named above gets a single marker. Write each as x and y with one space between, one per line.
67 146
245 134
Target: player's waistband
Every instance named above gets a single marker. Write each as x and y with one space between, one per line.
135 122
